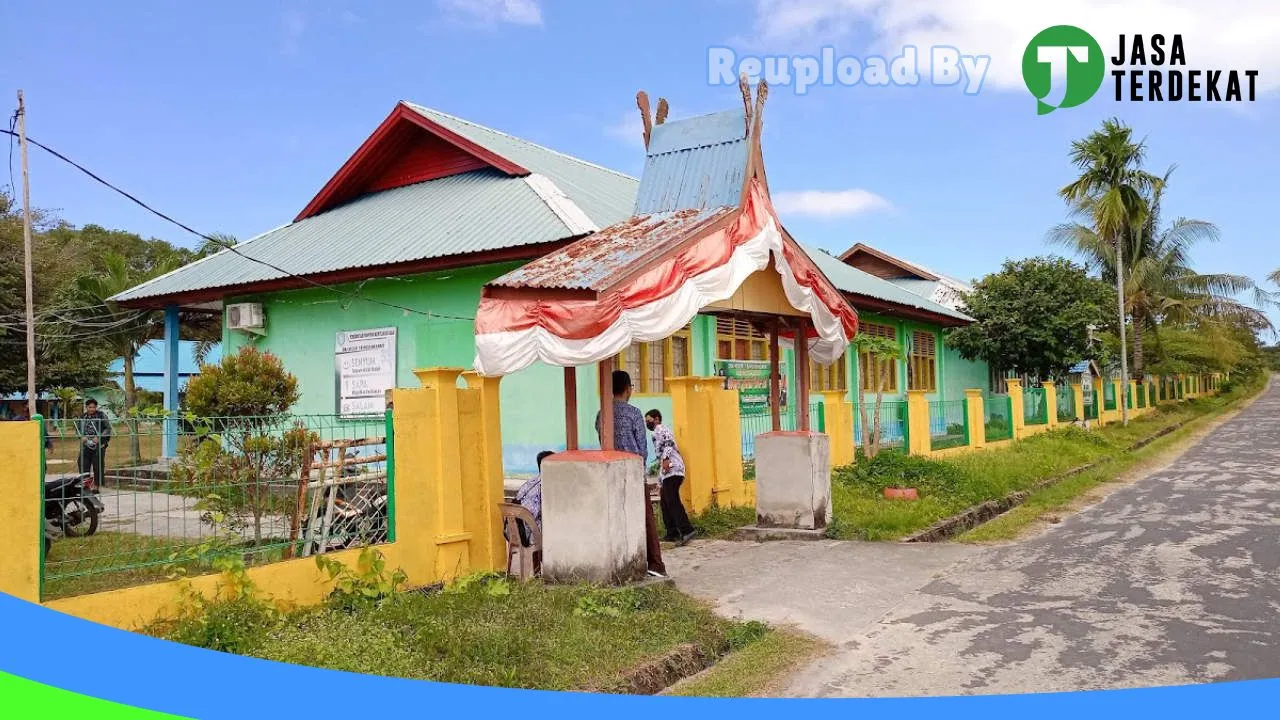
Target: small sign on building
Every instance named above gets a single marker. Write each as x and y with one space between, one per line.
751 379
365 369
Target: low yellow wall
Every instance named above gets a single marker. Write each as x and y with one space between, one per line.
448 482
708 432
21 517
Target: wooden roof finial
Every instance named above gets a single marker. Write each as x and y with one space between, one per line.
642 102
663 109
762 92
745 86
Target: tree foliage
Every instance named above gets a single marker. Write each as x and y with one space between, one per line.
1033 316
75 337
249 383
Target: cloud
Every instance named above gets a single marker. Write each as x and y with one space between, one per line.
1238 34
629 129
494 12
829 203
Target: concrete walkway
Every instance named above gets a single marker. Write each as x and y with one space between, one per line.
1173 579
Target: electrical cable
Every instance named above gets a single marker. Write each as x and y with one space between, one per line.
224 244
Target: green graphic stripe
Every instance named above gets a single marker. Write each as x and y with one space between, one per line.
21 699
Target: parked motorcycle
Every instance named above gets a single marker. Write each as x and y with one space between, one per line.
70 506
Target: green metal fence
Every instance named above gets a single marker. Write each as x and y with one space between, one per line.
998 417
1108 396
760 421
1141 396
893 423
1066 403
259 489
948 424
1091 405
1035 408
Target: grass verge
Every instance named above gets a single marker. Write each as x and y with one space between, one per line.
949 486
757 670
1045 504
486 631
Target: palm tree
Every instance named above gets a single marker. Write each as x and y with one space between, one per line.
123 330
1111 191
1159 283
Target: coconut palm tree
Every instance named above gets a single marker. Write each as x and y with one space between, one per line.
1111 191
1159 283
123 330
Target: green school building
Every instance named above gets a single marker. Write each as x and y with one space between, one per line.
381 273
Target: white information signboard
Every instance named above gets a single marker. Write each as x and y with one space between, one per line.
365 367
1086 383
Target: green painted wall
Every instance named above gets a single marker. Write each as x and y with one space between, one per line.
301 328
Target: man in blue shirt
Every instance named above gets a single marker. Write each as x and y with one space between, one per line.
629 436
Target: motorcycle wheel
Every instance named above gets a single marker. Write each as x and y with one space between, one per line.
78 519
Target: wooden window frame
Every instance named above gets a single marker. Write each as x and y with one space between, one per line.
865 362
641 383
829 377
920 365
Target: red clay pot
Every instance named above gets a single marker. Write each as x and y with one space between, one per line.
901 494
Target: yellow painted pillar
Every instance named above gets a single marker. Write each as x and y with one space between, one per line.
21 512
976 417
1119 396
1051 402
730 490
1077 392
918 423
443 470
838 412
1016 408
488 548
692 425
1133 393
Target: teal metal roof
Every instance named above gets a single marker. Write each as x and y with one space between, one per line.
698 162
456 215
852 280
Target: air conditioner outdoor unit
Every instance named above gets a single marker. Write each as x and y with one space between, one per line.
247 317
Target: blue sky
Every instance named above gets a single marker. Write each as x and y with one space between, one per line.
231 115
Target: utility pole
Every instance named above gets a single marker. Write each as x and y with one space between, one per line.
26 260
1124 351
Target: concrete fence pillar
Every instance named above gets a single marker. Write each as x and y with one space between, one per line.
918 434
1077 392
21 514
839 420
488 548
1018 419
1050 402
975 417
707 427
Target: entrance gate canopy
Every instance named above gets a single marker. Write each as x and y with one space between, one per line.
645 278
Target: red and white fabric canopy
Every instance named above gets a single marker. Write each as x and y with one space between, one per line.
514 332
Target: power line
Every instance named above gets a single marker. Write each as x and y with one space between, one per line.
228 246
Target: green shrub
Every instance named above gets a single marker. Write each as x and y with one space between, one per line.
893 468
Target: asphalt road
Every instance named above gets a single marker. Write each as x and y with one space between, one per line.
1173 579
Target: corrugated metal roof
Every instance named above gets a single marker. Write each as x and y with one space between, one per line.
852 280
923 288
461 214
468 213
607 196
594 261
698 162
